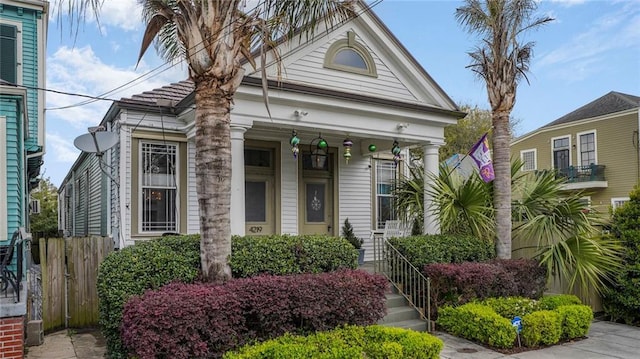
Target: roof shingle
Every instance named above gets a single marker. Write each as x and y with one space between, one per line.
609 103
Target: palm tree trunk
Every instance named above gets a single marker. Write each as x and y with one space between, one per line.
213 179
502 183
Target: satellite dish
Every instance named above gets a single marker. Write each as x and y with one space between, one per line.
96 142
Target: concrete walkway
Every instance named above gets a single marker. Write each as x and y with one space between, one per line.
606 340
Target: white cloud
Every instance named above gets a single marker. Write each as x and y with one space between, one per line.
122 14
61 148
568 3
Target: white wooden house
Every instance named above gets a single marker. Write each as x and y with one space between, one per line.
355 82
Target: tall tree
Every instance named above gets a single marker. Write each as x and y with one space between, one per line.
501 60
45 223
215 36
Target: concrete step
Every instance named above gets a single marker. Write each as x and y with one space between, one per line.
395 300
399 314
414 324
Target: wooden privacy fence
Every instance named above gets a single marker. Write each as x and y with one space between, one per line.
69 276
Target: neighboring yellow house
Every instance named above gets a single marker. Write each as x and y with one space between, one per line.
596 148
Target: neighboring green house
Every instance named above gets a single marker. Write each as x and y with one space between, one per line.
594 147
23 34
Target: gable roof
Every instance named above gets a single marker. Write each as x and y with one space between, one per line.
165 96
610 103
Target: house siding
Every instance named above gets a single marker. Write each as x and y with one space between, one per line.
615 150
288 191
29 20
310 70
354 181
15 164
193 219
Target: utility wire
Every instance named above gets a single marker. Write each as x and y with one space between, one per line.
149 74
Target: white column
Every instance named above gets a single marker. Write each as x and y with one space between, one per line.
431 167
237 180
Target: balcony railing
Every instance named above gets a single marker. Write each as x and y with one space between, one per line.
10 269
588 173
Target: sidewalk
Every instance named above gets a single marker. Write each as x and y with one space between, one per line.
69 344
606 340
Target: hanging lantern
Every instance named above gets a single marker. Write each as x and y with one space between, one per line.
318 148
372 148
395 149
294 141
347 144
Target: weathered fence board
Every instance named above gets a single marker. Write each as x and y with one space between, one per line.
84 255
53 282
69 277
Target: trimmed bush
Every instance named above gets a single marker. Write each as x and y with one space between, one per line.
510 307
176 321
154 263
459 283
375 342
183 321
541 328
441 248
552 302
576 320
477 322
529 276
284 254
132 270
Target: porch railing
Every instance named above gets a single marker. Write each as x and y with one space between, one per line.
406 278
588 173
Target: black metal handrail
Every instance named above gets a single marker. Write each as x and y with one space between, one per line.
10 276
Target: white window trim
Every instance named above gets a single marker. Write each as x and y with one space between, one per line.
140 187
19 58
376 162
618 199
570 152
578 144
535 159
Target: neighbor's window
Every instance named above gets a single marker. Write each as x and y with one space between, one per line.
587 148
386 177
528 158
619 201
9 37
560 147
159 188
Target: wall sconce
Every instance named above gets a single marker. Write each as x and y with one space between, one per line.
318 148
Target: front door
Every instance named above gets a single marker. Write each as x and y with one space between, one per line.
316 189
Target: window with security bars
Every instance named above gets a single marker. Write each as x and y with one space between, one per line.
386 177
159 188
528 158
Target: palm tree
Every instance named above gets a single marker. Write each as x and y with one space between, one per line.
215 37
501 61
566 241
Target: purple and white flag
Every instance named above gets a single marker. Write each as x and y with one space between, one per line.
480 153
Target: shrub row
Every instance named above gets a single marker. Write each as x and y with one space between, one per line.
154 263
442 248
480 322
198 320
459 283
285 254
510 307
349 342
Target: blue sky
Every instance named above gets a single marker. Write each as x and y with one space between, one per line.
592 48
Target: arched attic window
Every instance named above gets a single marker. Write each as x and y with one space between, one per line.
350 56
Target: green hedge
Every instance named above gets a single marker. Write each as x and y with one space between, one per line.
544 322
576 320
132 270
349 342
154 263
284 254
543 327
441 248
477 322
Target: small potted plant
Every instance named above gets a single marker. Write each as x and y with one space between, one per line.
347 233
